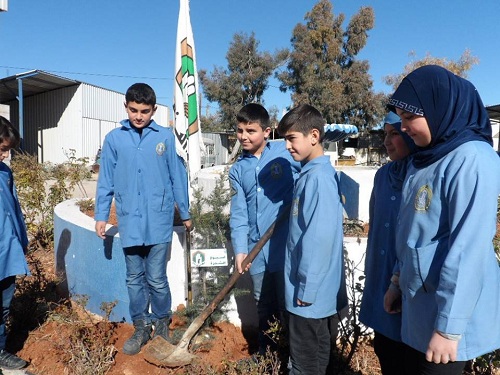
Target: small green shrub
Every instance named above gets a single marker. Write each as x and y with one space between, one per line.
351 329
211 230
41 187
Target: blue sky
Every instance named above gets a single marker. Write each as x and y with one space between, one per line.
115 43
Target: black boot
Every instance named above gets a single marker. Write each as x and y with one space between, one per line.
141 336
161 328
10 361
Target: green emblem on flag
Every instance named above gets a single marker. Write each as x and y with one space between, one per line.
185 78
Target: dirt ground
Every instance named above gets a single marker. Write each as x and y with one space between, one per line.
47 346
45 357
227 344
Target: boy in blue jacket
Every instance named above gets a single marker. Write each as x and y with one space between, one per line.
262 183
141 169
13 240
314 264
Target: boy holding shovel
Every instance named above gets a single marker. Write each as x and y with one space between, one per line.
262 182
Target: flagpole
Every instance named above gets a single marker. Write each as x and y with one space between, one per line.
190 194
187 129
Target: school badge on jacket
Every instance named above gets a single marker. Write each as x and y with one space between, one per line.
295 207
423 198
160 148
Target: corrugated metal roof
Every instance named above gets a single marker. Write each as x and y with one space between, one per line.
34 82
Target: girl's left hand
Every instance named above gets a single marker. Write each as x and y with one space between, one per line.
441 349
392 301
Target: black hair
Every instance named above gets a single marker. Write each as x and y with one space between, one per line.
253 112
8 133
303 119
141 93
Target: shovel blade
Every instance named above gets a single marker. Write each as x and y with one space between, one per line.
157 350
161 353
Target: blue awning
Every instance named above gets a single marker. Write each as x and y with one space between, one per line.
338 132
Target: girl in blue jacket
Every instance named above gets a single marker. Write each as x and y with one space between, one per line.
381 250
449 275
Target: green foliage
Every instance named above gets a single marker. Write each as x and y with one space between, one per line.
211 230
460 67
243 81
42 187
211 216
86 204
323 71
30 178
353 227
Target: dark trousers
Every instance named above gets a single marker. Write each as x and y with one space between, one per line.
269 294
310 345
390 354
7 289
416 364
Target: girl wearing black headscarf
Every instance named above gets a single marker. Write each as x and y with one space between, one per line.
449 275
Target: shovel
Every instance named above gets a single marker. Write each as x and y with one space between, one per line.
162 353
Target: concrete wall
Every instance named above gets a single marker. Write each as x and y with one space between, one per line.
363 176
90 266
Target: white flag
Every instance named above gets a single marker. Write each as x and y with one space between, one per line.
186 109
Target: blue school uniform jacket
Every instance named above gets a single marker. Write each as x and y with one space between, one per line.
146 177
450 277
381 251
314 269
261 190
13 237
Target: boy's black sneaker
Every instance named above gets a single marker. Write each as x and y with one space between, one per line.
161 328
141 336
10 361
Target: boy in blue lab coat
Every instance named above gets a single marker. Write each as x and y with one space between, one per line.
141 169
262 184
314 265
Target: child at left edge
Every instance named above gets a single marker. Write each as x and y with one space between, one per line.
314 261
13 240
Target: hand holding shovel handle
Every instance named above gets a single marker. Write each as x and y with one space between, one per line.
160 352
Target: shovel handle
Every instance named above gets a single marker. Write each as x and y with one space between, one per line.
210 308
